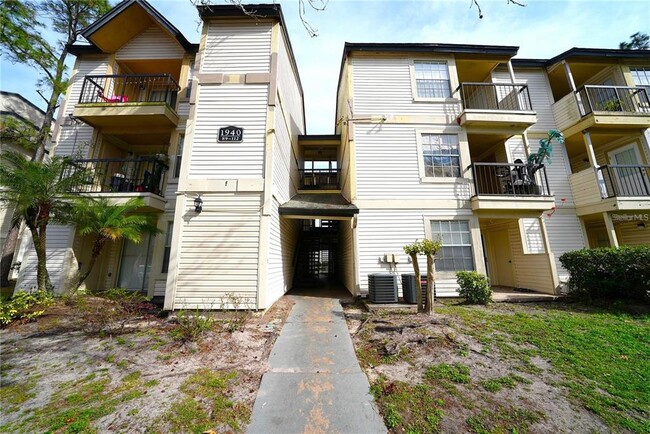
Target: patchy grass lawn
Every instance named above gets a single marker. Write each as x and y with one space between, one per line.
59 375
506 368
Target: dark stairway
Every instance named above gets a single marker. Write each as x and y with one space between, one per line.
316 254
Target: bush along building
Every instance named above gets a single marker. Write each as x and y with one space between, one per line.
431 140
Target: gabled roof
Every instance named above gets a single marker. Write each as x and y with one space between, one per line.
584 53
498 50
120 8
15 105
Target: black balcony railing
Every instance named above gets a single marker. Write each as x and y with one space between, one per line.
121 175
129 88
319 179
495 96
624 180
510 179
616 99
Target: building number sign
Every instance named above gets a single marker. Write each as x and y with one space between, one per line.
230 134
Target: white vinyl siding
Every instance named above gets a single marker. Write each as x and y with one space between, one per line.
283 161
59 256
346 256
237 48
219 251
153 43
532 232
289 90
397 228
388 166
564 235
221 106
282 247
384 86
75 137
541 97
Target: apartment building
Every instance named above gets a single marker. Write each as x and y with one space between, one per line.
431 140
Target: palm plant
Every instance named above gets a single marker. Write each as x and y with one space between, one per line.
109 222
40 193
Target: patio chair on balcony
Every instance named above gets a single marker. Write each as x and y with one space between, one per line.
113 98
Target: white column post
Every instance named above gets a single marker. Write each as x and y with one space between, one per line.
611 232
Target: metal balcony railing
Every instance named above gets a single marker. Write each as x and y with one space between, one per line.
319 179
624 180
129 88
510 179
616 99
120 175
495 96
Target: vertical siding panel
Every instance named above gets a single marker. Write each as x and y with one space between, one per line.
220 106
346 258
237 48
282 248
564 235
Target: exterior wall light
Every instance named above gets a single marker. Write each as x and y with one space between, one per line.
198 204
640 226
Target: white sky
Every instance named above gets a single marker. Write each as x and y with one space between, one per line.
543 29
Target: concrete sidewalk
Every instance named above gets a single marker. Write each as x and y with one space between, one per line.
315 384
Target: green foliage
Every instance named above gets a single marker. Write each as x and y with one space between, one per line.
24 305
504 420
456 373
474 287
17 132
507 381
191 325
412 249
638 41
430 247
609 273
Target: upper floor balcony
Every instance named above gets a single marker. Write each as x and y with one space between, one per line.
510 186
611 188
124 178
603 107
496 105
128 101
320 179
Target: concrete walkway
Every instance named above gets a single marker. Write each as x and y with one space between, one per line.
315 384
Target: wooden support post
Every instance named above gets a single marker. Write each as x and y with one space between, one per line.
611 232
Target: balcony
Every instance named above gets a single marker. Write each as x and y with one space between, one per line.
124 178
319 179
123 102
496 105
603 107
611 188
510 186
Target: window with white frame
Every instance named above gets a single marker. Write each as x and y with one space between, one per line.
441 155
168 247
188 91
641 77
532 232
178 159
431 79
456 254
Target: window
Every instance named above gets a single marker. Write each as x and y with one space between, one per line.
456 254
168 247
179 156
432 79
441 155
641 77
189 80
533 240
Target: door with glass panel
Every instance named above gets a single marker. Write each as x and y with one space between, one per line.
627 176
135 265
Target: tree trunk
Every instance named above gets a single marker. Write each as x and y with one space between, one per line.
428 307
418 283
98 245
8 254
39 237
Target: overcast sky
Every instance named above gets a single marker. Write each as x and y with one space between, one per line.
542 29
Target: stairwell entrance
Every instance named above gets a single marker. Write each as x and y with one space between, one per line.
317 254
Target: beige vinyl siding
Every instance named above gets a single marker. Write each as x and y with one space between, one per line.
72 137
159 288
584 186
564 235
183 109
387 165
629 235
566 112
282 246
557 171
289 90
237 48
284 164
218 251
346 256
541 97
220 106
153 43
532 271
397 228
58 251
383 86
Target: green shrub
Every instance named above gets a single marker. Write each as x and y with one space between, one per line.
24 305
609 273
474 287
191 325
